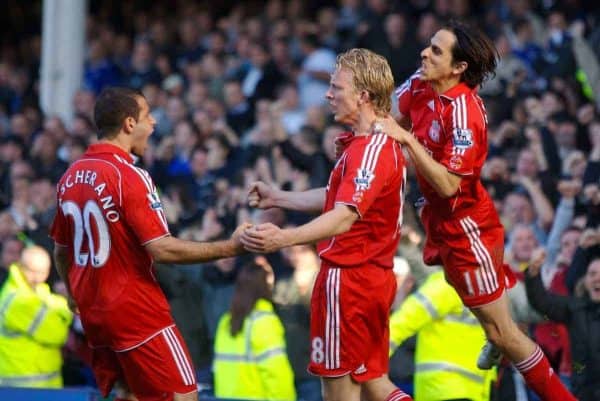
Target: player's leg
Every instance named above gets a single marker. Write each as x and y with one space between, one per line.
350 328
474 266
527 356
192 396
122 392
382 389
378 387
502 331
340 389
108 373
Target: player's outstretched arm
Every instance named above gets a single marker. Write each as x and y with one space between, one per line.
175 250
264 196
266 238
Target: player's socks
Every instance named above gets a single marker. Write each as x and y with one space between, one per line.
542 379
398 395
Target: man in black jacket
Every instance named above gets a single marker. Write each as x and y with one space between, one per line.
581 314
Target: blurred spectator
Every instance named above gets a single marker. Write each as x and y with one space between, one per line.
581 314
11 252
189 50
218 280
317 67
34 324
45 161
263 76
398 47
250 353
518 209
240 112
559 57
99 70
449 339
142 70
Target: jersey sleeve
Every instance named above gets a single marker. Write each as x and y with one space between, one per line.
368 167
59 230
404 93
142 207
463 143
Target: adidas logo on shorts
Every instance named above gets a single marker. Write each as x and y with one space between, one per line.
360 370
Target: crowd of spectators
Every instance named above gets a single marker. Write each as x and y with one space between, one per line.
238 94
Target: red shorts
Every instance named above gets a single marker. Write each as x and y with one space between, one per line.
471 250
349 322
152 371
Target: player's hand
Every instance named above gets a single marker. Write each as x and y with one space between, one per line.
390 127
261 195
237 234
264 238
537 260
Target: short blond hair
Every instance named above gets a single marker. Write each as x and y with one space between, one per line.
372 73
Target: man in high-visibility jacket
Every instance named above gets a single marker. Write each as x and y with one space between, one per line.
34 324
449 339
253 364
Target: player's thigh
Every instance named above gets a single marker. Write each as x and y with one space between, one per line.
193 396
496 320
340 389
350 322
378 389
160 367
473 264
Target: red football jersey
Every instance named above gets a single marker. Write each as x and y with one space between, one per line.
453 129
369 176
108 209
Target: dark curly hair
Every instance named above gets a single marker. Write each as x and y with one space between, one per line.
476 49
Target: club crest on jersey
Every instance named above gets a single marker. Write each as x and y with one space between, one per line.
455 162
155 203
358 197
434 131
462 138
363 179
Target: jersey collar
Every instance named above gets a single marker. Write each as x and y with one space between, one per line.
456 91
105 147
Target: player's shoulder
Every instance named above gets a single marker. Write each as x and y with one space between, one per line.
96 165
469 108
372 148
136 177
411 84
371 142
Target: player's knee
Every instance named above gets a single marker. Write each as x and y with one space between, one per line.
501 337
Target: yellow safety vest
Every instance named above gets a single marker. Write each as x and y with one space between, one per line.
34 324
254 363
449 339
